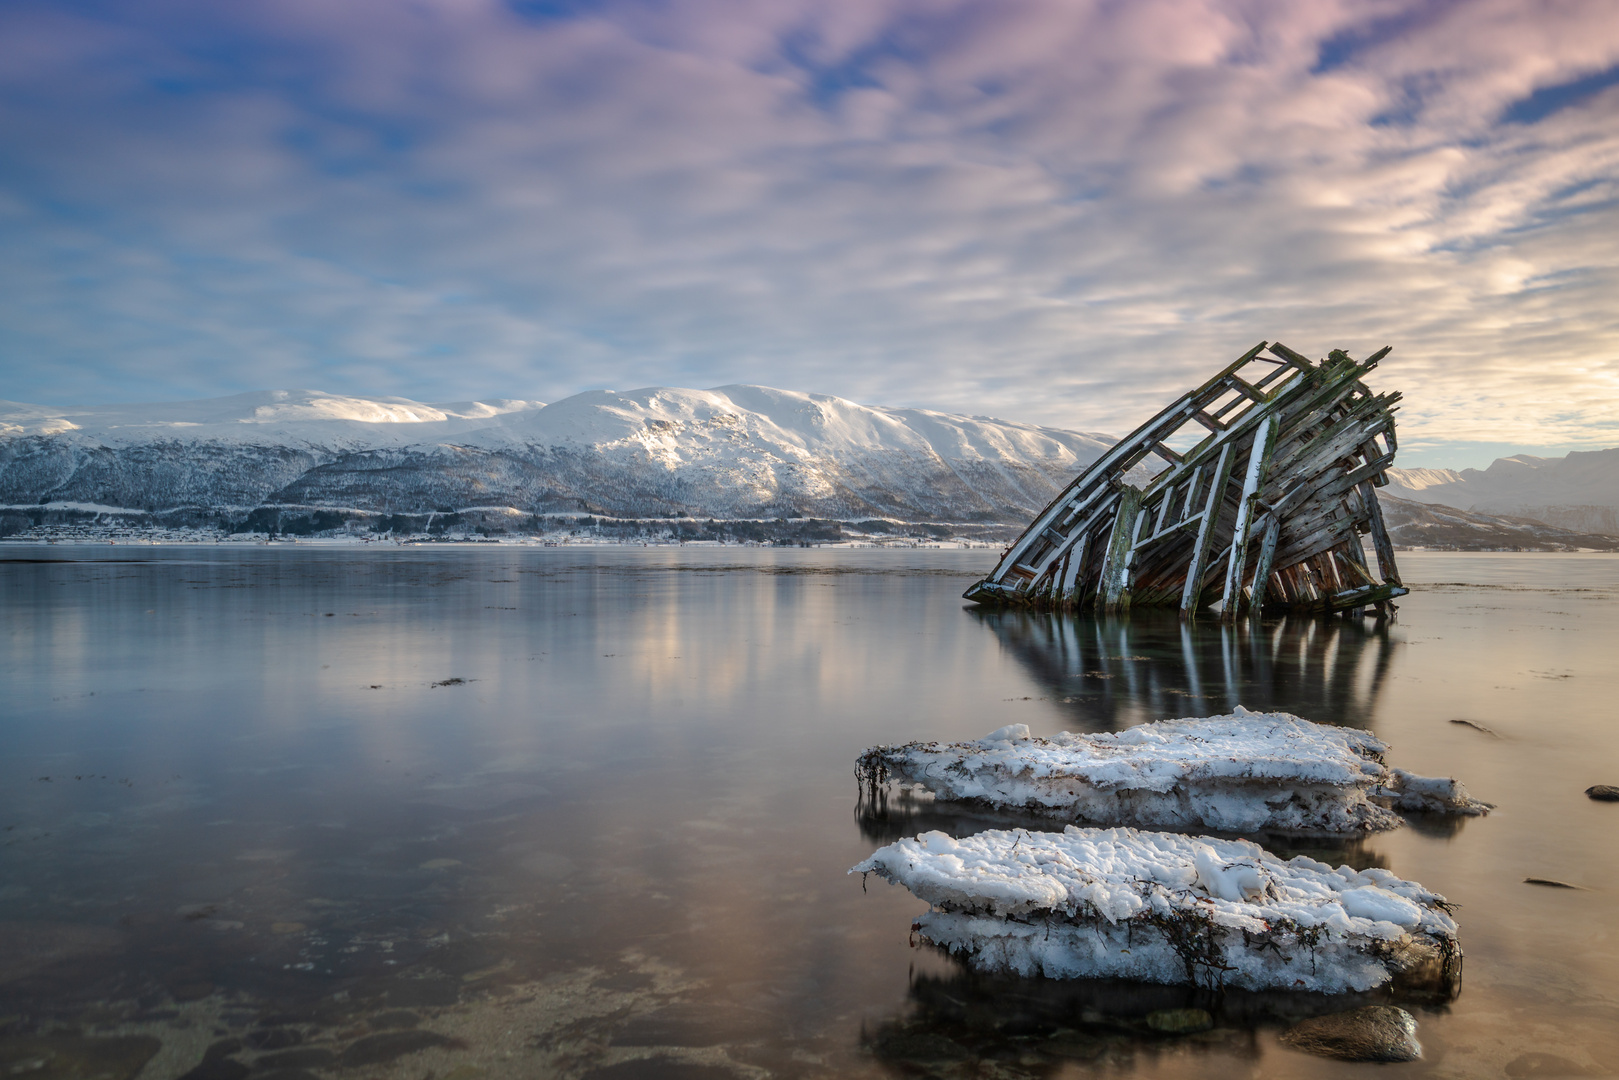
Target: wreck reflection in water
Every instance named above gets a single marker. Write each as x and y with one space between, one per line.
1107 673
1116 671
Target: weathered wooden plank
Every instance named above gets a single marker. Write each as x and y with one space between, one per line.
1298 360
1262 565
1221 476
1258 458
1381 544
1171 456
1349 599
1071 573
1115 574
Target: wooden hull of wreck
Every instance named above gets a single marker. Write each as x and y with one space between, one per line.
1265 513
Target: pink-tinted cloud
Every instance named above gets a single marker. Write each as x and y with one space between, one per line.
1055 211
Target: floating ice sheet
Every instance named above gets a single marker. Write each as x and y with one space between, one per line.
1242 773
1124 903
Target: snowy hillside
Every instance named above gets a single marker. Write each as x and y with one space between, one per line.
1578 492
736 451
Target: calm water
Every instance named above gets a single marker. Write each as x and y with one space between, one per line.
489 812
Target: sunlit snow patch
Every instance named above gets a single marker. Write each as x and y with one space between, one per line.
1242 773
1159 907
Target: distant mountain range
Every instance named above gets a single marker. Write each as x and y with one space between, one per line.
1432 525
1578 492
735 452
731 452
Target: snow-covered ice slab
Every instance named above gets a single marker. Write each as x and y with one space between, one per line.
1242 773
1160 907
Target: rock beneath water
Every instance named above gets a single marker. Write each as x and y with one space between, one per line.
1180 1021
274 1038
918 1047
217 1069
660 1068
1536 1064
1372 1033
65 1055
1074 1045
383 1048
1603 792
30 947
310 1057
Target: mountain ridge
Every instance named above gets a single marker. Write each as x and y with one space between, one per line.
1579 491
736 451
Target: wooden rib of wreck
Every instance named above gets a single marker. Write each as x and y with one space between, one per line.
1265 513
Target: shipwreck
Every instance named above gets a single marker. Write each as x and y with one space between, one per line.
1264 513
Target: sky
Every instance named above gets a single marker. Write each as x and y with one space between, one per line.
1055 211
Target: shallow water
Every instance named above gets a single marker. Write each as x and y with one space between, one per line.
503 811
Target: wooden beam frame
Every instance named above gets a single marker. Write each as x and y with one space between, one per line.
1316 443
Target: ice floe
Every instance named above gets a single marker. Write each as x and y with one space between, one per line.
1166 908
1240 773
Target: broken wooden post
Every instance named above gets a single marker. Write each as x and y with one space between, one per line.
1309 433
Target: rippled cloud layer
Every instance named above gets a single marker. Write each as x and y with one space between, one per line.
1059 211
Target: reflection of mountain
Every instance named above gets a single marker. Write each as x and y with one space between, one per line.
967 1024
1113 672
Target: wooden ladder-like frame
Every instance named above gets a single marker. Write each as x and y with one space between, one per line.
1265 512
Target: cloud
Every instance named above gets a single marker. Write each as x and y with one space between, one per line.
1054 211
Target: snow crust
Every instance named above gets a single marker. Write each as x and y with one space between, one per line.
1161 907
1242 772
1431 795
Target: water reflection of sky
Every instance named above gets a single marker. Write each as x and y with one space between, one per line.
620 842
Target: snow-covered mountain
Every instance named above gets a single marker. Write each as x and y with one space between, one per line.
734 451
1578 492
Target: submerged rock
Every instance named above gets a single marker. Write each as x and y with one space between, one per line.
65 1055
27 948
1180 1021
1538 1063
385 1047
217 1069
1372 1033
1603 792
